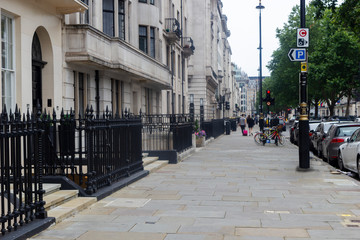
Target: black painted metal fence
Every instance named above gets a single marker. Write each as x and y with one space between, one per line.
21 156
213 128
91 151
166 132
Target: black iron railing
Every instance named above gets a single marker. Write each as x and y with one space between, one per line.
166 132
172 25
92 151
213 128
21 159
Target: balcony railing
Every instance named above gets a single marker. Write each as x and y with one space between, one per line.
172 29
188 47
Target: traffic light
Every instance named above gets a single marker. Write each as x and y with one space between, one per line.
227 105
268 92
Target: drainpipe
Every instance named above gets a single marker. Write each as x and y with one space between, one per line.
182 60
97 97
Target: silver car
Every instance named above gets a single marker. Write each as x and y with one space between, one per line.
336 136
349 153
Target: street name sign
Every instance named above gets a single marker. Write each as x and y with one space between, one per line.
302 37
297 54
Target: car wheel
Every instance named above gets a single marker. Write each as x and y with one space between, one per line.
291 138
358 165
319 153
328 159
340 162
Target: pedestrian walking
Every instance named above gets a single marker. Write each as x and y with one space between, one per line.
250 122
261 122
242 123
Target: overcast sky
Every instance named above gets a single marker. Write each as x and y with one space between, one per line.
243 22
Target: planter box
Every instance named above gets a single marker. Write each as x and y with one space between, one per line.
200 142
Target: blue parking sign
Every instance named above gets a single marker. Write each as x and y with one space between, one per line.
297 54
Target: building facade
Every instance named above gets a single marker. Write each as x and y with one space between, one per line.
108 54
117 54
122 54
32 57
209 69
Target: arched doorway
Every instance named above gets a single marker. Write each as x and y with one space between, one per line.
37 66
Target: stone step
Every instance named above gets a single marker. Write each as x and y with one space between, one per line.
149 160
70 208
51 188
59 197
154 166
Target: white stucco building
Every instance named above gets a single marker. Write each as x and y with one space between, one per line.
117 54
210 78
113 54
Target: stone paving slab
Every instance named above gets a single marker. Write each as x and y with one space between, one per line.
232 189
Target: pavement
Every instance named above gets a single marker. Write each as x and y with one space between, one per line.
231 189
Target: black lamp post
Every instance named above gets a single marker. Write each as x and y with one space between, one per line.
304 141
192 108
201 112
260 7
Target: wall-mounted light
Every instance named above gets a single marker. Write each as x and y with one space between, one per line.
201 102
191 98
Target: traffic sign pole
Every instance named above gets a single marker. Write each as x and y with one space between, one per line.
304 141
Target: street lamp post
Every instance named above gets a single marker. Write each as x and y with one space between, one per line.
304 144
261 119
260 7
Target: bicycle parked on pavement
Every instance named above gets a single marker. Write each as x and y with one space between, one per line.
270 135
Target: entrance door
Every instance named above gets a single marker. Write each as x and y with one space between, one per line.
37 66
36 88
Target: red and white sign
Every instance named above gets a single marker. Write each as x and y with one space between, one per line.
302 37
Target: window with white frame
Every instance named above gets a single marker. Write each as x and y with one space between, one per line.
84 17
143 39
116 96
121 19
108 17
152 42
7 61
81 83
152 2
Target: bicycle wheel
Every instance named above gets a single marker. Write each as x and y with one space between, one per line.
260 138
281 140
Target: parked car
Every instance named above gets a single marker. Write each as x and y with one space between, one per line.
349 153
318 136
337 135
312 127
296 131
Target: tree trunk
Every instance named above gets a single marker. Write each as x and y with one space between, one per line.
316 108
331 107
348 106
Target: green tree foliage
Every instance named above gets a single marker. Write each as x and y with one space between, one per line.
333 60
285 74
349 15
322 5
